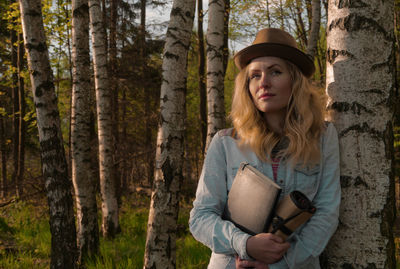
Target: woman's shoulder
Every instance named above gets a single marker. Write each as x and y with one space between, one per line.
224 139
229 132
330 135
330 129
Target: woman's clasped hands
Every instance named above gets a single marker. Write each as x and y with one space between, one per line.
265 248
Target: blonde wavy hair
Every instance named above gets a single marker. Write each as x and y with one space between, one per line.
303 127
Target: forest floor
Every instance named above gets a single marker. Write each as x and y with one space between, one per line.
25 237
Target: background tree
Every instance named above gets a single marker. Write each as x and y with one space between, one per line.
315 27
3 186
360 85
54 165
202 78
104 95
160 250
82 174
113 76
215 68
15 99
21 121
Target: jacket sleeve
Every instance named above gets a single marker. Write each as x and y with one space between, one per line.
205 221
310 241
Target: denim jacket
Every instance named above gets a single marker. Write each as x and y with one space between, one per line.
320 183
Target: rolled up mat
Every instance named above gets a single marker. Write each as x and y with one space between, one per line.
294 210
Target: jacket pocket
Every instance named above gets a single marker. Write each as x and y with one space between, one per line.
307 180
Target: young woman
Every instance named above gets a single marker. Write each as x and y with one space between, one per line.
279 128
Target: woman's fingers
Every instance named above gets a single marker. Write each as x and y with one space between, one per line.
240 264
266 247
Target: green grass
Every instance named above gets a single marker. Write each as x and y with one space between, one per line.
25 240
25 227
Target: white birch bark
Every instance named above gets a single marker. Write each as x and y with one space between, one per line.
82 176
215 68
160 251
109 205
360 85
54 164
315 25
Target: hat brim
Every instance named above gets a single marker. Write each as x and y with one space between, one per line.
299 58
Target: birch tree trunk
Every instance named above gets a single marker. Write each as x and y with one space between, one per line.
160 251
109 205
315 25
82 174
54 164
215 68
360 84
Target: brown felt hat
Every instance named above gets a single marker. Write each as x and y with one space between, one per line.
277 43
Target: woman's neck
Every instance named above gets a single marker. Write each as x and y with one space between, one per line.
276 121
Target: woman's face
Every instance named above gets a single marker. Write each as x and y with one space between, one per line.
270 84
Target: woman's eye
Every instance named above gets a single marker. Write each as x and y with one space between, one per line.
276 72
254 76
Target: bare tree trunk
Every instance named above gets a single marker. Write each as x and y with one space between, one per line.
115 89
66 12
124 165
82 174
105 20
301 28
21 123
360 83
215 68
54 164
281 17
202 78
308 6
160 251
225 57
268 14
3 191
314 33
147 100
109 207
15 105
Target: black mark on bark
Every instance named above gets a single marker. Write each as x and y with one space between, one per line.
332 54
355 107
351 4
354 22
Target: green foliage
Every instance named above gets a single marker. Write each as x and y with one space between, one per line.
127 249
4 228
30 233
28 226
229 84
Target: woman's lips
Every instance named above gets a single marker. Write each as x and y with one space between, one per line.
266 96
